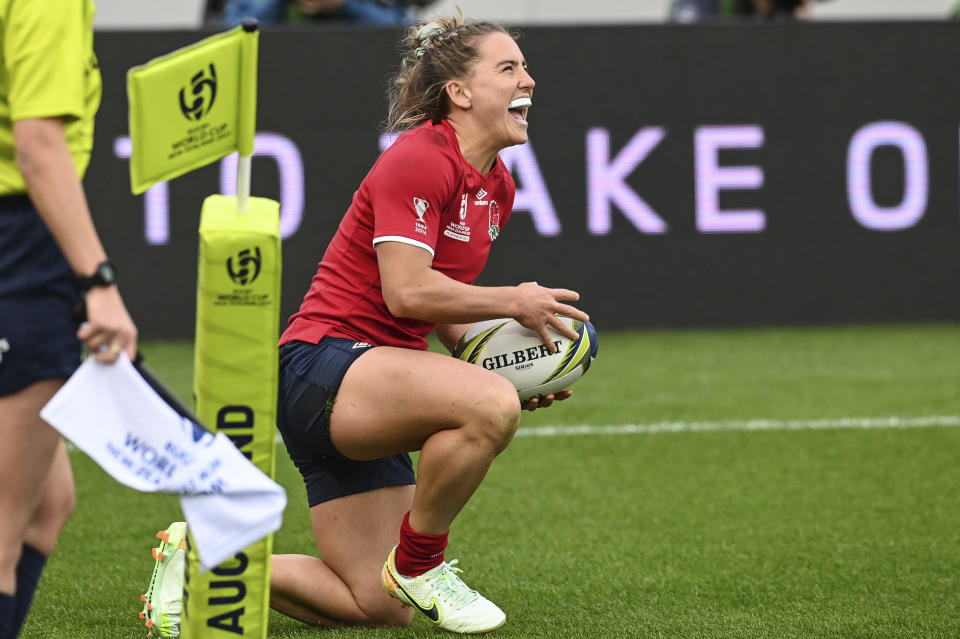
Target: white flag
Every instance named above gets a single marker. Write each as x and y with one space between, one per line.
109 412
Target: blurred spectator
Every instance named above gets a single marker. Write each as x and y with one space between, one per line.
710 10
267 12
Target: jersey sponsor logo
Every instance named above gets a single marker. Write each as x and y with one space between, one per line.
494 217
4 347
481 197
204 90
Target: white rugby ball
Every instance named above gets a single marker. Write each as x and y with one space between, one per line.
517 353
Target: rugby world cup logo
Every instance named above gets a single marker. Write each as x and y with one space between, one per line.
244 267
202 93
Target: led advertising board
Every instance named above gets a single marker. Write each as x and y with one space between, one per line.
676 175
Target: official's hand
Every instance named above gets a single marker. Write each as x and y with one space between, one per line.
108 329
544 401
539 307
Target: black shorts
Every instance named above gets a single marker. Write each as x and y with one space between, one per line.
38 292
310 376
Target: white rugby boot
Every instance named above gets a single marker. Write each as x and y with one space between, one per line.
443 597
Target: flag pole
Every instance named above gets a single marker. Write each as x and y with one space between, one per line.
243 183
246 128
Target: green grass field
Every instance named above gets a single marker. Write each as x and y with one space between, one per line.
716 533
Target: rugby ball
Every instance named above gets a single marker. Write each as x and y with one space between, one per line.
517 353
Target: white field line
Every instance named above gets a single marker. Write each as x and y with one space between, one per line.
741 425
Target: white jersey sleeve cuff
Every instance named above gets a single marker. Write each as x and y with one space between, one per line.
404 240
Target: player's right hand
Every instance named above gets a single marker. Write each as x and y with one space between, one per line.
544 401
539 307
108 329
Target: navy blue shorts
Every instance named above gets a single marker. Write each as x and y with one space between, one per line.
310 376
38 293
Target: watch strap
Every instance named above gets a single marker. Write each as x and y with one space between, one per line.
104 275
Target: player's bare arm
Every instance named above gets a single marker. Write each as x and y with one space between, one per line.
413 289
450 334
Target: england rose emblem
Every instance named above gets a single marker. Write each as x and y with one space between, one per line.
494 220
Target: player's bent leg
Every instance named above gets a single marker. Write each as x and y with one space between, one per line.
305 588
458 415
353 535
392 400
29 448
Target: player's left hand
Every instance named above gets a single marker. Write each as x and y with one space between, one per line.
543 401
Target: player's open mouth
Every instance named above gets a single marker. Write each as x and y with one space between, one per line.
519 108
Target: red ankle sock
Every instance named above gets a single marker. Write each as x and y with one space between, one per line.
417 553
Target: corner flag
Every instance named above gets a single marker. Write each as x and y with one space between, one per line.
193 106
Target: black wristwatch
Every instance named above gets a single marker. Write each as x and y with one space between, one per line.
105 275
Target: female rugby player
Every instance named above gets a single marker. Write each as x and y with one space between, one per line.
359 390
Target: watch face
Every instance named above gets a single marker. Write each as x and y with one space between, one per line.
105 275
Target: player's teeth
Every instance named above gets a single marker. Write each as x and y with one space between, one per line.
519 103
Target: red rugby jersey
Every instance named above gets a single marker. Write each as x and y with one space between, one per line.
421 191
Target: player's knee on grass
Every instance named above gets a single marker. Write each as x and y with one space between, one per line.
385 612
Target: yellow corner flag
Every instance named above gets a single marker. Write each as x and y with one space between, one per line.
193 106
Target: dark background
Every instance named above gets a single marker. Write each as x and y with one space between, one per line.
809 86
